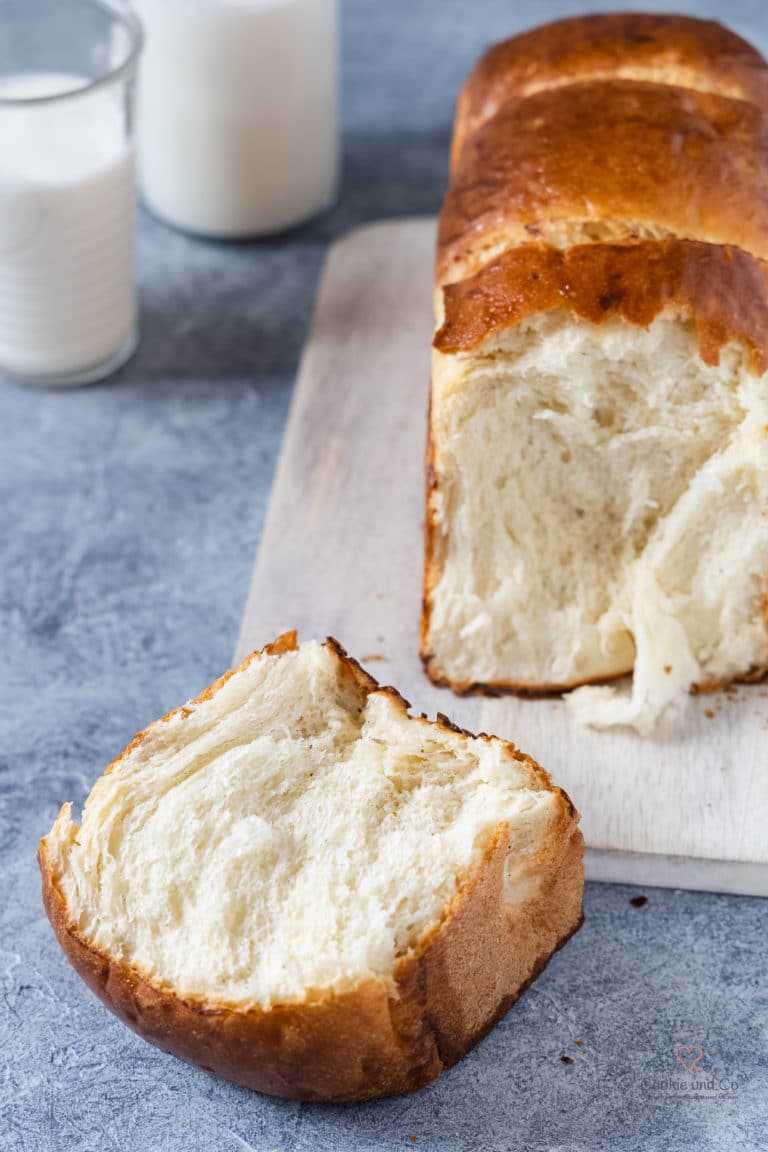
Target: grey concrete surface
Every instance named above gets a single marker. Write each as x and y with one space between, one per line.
130 515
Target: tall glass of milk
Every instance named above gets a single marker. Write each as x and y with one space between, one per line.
68 310
237 113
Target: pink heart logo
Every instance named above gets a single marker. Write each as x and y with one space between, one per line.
689 1056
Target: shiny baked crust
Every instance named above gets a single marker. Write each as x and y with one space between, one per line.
608 161
723 290
661 48
463 976
613 167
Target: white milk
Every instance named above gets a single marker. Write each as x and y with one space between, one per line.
237 112
67 209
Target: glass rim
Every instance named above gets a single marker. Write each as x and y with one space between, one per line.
124 14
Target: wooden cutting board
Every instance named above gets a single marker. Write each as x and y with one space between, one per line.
341 555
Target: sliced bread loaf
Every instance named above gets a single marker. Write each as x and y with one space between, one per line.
597 460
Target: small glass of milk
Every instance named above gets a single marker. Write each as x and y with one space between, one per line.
68 312
237 113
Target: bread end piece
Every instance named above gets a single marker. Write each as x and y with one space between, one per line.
375 1039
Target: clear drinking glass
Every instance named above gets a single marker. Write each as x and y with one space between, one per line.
68 308
237 121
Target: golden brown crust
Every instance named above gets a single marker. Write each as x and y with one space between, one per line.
341 1047
370 1041
723 290
376 1039
617 166
627 157
661 48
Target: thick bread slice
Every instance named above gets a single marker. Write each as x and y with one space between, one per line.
295 885
659 48
608 161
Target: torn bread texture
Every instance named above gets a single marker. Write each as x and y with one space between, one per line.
295 885
624 528
597 461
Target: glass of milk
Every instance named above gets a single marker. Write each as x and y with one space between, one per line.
68 311
237 113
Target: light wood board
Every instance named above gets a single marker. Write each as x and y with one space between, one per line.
341 555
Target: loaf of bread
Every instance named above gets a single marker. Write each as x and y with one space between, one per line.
597 475
295 885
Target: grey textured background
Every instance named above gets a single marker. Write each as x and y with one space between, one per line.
130 515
